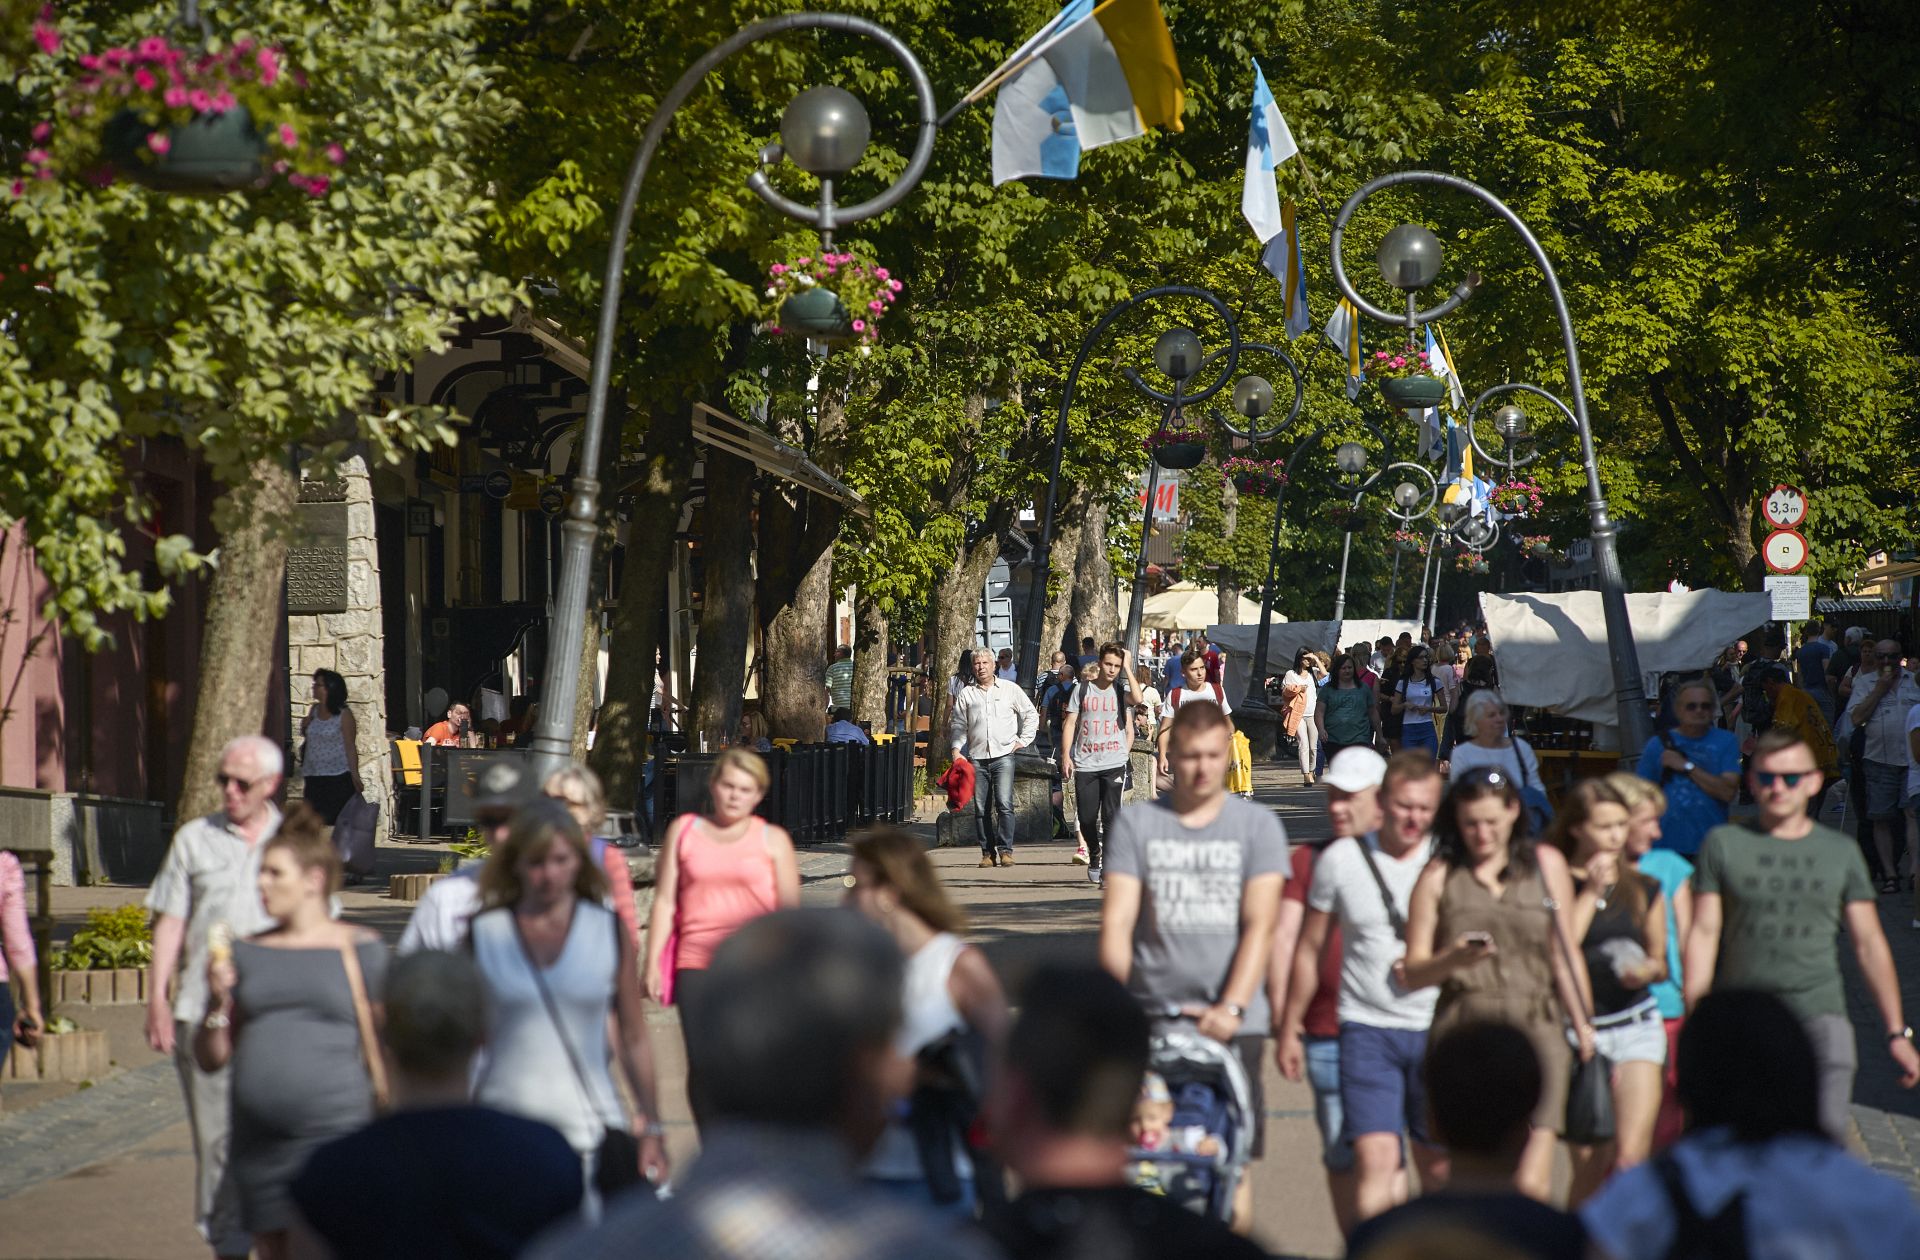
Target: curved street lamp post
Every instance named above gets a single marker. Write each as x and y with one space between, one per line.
1409 258
1407 506
823 131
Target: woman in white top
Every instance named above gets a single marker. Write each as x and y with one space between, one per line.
1417 697
950 990
327 769
1451 671
1303 681
1484 742
557 965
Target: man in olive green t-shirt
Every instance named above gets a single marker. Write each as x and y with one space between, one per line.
1768 904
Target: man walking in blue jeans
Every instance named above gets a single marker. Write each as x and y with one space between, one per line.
992 720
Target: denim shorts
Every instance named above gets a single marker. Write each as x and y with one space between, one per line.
1638 1035
1381 1088
1323 1073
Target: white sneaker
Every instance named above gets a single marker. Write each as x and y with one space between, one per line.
1080 854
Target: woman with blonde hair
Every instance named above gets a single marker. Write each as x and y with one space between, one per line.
1619 920
558 967
716 871
1646 804
578 788
950 991
291 1010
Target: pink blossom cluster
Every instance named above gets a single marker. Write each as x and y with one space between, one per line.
1517 497
864 289
1392 363
1255 476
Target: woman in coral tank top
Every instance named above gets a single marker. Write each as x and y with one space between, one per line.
717 870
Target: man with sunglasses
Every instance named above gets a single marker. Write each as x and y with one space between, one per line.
1698 766
210 877
1768 904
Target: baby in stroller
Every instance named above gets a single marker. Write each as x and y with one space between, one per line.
1191 1131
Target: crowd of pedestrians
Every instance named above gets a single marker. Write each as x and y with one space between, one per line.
1468 975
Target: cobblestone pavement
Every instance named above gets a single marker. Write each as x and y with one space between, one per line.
106 1171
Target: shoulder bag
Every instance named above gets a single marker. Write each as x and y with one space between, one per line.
617 1158
1394 917
363 1017
1533 797
670 952
1589 1119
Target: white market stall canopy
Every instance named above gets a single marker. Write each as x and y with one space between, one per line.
1552 649
1187 606
1283 641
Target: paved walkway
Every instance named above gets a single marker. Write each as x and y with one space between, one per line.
106 1171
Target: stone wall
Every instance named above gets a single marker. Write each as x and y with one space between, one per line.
347 641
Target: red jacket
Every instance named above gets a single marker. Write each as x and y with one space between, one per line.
958 781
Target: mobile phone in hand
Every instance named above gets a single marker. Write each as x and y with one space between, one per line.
1478 940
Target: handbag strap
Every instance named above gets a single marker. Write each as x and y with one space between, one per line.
1394 917
1566 952
363 1017
553 1009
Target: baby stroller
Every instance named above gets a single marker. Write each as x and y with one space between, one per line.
1210 1092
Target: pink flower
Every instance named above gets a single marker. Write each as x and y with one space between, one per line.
876 305
859 325
19 188
779 269
144 80
805 261
48 37
317 185
88 62
199 101
223 101
893 286
36 157
288 136
269 67
41 131
336 155
117 56
879 273
175 97
152 47
158 141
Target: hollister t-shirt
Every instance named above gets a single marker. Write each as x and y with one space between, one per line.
1192 878
1100 738
1781 906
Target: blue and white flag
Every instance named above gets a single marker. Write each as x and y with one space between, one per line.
1269 143
1282 257
1343 330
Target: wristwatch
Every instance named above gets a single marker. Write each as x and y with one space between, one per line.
1906 1032
216 1021
1687 769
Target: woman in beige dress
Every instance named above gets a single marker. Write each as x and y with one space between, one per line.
1482 926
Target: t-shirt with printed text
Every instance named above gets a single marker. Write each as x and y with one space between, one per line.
1100 727
1191 881
1781 906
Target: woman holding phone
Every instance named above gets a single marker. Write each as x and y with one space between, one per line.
1482 926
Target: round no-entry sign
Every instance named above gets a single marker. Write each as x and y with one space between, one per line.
1785 507
1785 551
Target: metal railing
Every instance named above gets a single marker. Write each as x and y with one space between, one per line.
819 792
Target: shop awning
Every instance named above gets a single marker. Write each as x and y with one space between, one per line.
711 426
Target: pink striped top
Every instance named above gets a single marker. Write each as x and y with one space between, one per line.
16 939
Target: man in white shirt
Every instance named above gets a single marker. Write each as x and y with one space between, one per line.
1881 710
1193 686
992 720
1007 668
1366 883
440 918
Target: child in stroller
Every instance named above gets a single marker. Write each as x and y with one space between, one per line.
1192 1127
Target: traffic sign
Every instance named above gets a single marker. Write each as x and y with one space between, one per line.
499 484
1784 507
553 500
1785 551
1792 596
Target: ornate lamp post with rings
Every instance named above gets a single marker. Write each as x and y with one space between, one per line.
1181 358
1409 258
824 131
1253 714
1408 506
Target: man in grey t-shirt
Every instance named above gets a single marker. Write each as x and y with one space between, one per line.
1192 890
1095 742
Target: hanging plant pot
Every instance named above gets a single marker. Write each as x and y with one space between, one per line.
1179 455
1407 545
210 155
816 313
1540 551
1414 391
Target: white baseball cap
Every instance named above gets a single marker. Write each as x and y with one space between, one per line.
1355 770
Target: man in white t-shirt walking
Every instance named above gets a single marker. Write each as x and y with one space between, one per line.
1095 742
1193 686
1366 883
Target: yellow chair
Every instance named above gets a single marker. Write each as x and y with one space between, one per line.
882 738
409 750
785 745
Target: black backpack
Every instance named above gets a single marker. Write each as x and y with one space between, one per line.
1696 1237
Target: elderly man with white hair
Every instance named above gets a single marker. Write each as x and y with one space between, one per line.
210 877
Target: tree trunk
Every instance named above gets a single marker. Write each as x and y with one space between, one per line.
620 747
870 664
956 602
1229 609
1059 628
726 605
795 586
1095 613
243 616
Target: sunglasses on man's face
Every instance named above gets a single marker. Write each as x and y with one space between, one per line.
245 785
1790 778
1696 704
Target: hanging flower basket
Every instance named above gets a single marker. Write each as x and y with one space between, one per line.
1517 498
1539 546
1468 562
1176 448
182 120
830 297
1405 379
1409 542
1258 478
